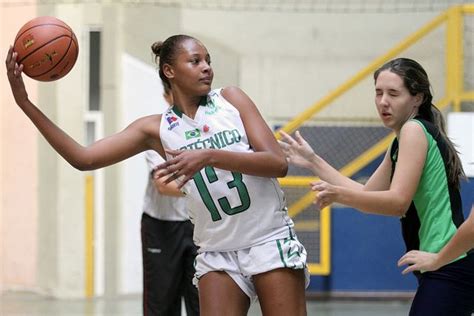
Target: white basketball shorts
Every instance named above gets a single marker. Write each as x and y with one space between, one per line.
242 264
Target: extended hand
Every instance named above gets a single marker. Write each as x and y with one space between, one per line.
15 78
326 193
184 165
419 261
298 152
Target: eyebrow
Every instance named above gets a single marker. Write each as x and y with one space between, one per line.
200 55
390 90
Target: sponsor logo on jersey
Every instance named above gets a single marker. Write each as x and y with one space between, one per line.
211 108
172 121
192 134
217 141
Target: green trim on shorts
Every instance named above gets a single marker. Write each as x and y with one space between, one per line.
290 254
290 232
280 250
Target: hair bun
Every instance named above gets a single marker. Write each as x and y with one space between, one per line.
156 47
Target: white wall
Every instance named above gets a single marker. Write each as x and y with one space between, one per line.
461 132
18 170
289 60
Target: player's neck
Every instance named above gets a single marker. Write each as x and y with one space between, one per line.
187 106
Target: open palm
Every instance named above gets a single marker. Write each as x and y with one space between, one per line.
298 152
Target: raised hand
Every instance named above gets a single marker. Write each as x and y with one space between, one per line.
15 78
419 261
184 165
298 152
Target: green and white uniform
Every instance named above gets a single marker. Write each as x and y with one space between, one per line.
230 210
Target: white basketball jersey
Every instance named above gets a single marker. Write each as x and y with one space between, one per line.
165 208
229 210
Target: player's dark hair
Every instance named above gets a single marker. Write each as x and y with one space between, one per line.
416 81
166 52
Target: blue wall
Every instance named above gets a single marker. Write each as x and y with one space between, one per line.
365 251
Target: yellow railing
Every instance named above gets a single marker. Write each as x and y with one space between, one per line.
455 94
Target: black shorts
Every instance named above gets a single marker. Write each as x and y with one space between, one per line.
447 291
168 267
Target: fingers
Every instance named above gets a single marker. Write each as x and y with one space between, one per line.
170 166
182 182
162 166
179 176
167 168
170 163
171 169
283 145
324 195
407 258
410 269
159 173
11 63
18 70
9 56
286 138
410 259
403 259
412 266
321 202
11 60
318 185
173 152
173 177
299 139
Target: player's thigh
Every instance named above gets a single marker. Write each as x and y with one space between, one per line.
281 292
220 295
439 297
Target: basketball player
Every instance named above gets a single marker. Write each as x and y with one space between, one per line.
418 181
226 159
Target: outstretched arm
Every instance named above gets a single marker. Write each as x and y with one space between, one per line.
461 242
134 139
379 195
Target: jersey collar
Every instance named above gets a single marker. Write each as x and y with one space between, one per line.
202 102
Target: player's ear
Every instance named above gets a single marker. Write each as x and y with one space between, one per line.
419 98
168 71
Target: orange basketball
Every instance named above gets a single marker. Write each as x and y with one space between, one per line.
47 48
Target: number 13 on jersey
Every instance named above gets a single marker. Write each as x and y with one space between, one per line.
235 183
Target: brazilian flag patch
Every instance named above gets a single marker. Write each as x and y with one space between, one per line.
192 134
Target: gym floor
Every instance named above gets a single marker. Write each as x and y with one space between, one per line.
29 304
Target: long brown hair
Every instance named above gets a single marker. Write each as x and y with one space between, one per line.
416 81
